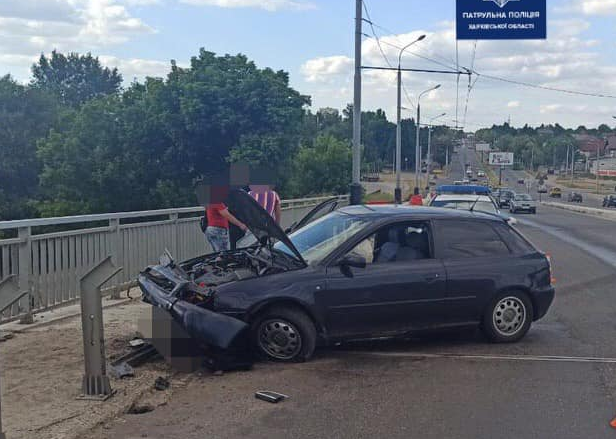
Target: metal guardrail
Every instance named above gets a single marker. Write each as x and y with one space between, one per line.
49 264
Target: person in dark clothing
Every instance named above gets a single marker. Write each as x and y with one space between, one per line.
236 233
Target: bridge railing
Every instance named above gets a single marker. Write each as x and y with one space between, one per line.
49 255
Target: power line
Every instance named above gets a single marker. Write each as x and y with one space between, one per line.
378 42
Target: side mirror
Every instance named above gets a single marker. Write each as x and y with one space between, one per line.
352 260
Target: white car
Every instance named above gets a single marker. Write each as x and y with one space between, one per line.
481 174
522 203
479 203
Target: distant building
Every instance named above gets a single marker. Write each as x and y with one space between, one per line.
588 145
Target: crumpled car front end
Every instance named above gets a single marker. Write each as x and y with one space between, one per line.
167 286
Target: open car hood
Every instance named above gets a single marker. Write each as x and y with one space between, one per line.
259 222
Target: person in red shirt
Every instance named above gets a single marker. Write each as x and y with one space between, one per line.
217 231
416 199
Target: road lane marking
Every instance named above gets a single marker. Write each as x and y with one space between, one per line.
602 253
503 357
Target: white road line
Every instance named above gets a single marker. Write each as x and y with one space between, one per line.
555 358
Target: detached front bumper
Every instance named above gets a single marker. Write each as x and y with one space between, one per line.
206 326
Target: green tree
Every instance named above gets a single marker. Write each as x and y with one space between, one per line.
74 78
322 168
25 116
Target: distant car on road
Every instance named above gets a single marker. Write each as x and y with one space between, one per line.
574 197
503 197
542 189
481 174
555 192
522 203
520 181
609 201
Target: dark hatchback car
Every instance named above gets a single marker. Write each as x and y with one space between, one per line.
357 272
609 201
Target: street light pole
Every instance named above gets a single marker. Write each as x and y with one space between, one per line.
356 185
429 156
417 124
398 190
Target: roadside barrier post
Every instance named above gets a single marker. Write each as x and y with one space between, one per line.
95 383
9 294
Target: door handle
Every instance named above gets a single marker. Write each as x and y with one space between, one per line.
432 278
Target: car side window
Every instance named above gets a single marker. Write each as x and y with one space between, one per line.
464 239
400 242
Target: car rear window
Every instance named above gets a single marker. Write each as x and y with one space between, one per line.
463 239
517 243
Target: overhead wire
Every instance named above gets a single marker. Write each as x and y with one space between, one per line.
378 42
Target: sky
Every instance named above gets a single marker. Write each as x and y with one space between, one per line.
313 40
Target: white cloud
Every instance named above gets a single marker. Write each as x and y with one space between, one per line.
549 108
565 60
268 5
30 27
323 68
589 7
136 67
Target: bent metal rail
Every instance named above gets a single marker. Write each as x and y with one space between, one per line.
49 264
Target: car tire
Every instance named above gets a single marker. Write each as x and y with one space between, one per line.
508 317
283 334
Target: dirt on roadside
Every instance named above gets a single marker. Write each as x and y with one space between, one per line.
42 370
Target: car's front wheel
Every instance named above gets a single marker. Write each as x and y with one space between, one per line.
284 334
508 317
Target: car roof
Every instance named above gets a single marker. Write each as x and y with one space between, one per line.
462 197
418 212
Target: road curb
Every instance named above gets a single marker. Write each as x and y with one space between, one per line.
592 211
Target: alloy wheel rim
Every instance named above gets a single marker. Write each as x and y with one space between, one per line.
280 339
509 316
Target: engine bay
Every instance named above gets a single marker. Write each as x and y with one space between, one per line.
217 269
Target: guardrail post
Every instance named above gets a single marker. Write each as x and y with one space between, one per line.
117 255
9 293
95 384
2 436
25 256
174 235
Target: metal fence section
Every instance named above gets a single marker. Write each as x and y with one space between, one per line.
49 255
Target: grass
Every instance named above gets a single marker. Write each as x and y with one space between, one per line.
378 196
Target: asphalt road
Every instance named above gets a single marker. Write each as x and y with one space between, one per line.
558 382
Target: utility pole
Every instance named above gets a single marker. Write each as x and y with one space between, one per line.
572 163
417 148
356 186
398 190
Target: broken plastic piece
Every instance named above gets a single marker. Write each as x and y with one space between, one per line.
269 396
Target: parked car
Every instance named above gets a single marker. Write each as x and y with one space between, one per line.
542 189
555 192
481 174
360 271
520 181
522 203
574 197
478 203
609 201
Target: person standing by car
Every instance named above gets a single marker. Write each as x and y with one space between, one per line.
416 199
267 198
217 231
235 233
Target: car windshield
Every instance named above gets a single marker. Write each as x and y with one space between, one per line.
523 197
483 206
319 238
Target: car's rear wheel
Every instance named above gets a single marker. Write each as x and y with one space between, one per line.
284 334
508 317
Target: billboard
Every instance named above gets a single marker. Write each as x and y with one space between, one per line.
500 19
501 158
